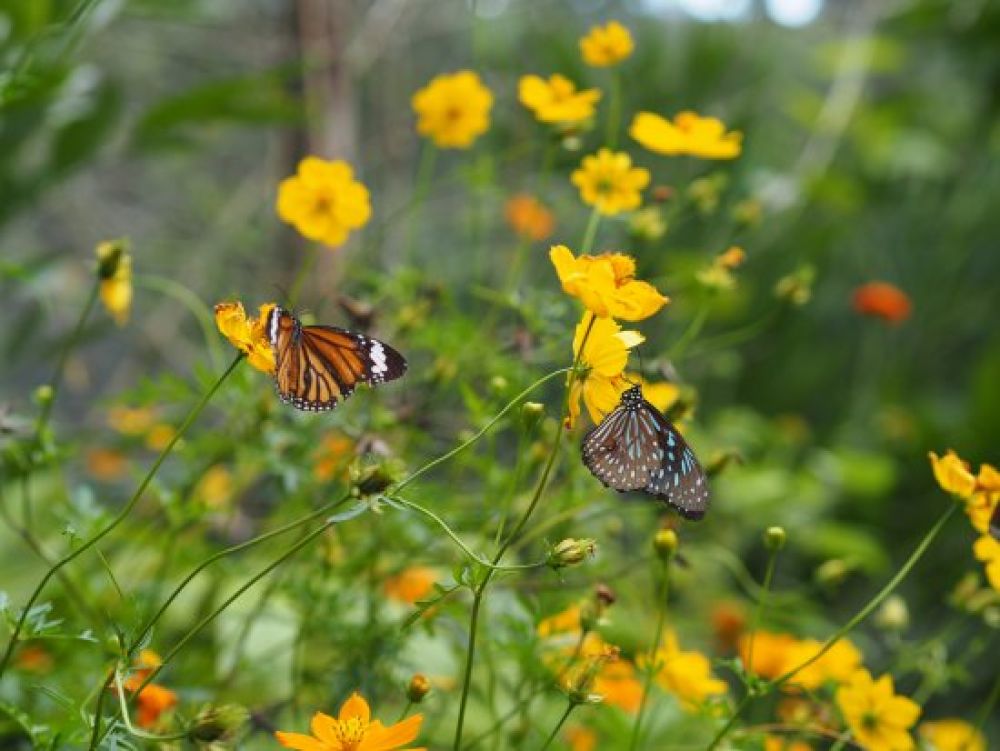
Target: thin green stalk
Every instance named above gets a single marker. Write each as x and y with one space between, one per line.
653 666
987 708
692 331
305 270
614 110
128 722
425 172
570 706
867 610
590 234
758 612
53 570
195 305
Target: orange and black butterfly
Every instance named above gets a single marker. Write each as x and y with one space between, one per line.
317 367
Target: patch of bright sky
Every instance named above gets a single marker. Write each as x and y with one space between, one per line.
784 12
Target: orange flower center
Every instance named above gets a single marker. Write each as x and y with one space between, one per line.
452 114
351 732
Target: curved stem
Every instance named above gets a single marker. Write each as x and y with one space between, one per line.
193 303
53 570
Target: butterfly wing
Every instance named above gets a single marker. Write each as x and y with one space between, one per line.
622 451
317 367
679 479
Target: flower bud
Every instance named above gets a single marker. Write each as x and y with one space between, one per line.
893 615
499 384
647 224
663 193
531 414
796 288
109 256
991 616
570 552
214 724
665 544
44 394
832 572
419 688
604 595
372 479
774 538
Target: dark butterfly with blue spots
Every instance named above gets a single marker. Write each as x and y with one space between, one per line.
636 448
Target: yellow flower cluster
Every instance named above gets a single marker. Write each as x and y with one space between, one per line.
980 493
557 100
453 110
774 654
689 134
249 335
323 201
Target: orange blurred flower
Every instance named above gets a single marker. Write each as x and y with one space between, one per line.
334 453
528 217
770 653
34 659
728 621
882 300
106 464
131 420
159 436
411 584
581 739
215 488
566 621
153 700
778 743
837 664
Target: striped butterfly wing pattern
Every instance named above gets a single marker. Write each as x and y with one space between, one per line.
636 448
317 367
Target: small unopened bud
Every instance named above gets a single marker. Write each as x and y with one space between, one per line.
419 688
893 615
663 193
774 538
531 414
991 616
604 595
109 256
214 724
665 544
796 288
499 384
570 552
832 572
44 394
963 592
371 479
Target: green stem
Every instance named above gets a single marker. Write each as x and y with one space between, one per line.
305 270
614 110
128 722
425 171
692 331
987 708
53 570
651 668
470 651
761 605
590 233
195 305
562 721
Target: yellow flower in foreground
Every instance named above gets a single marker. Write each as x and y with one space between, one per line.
606 45
353 730
689 134
606 284
987 549
528 217
952 734
114 269
687 675
323 201
249 335
953 474
879 719
837 665
411 584
771 652
603 356
453 110
557 100
608 181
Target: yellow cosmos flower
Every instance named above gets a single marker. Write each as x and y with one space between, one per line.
557 100
952 734
528 217
770 657
687 675
981 492
608 181
607 45
953 474
215 488
987 550
879 719
114 269
566 621
411 584
689 134
249 335
837 665
353 730
606 284
323 201
580 739
603 357
453 110
662 394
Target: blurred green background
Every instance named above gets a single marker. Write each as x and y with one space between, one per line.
871 144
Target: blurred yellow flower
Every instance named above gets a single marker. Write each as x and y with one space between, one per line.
215 488
951 734
606 284
106 464
953 474
689 134
981 505
557 100
771 651
528 217
332 457
323 201
565 621
453 110
579 738
603 357
607 45
608 181
114 270
879 719
411 584
778 743
837 665
249 335
733 257
661 394
159 436
353 730
987 550
131 420
687 675
617 683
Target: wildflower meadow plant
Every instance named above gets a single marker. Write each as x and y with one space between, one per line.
201 561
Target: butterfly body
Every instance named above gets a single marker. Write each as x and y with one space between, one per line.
636 448
317 367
